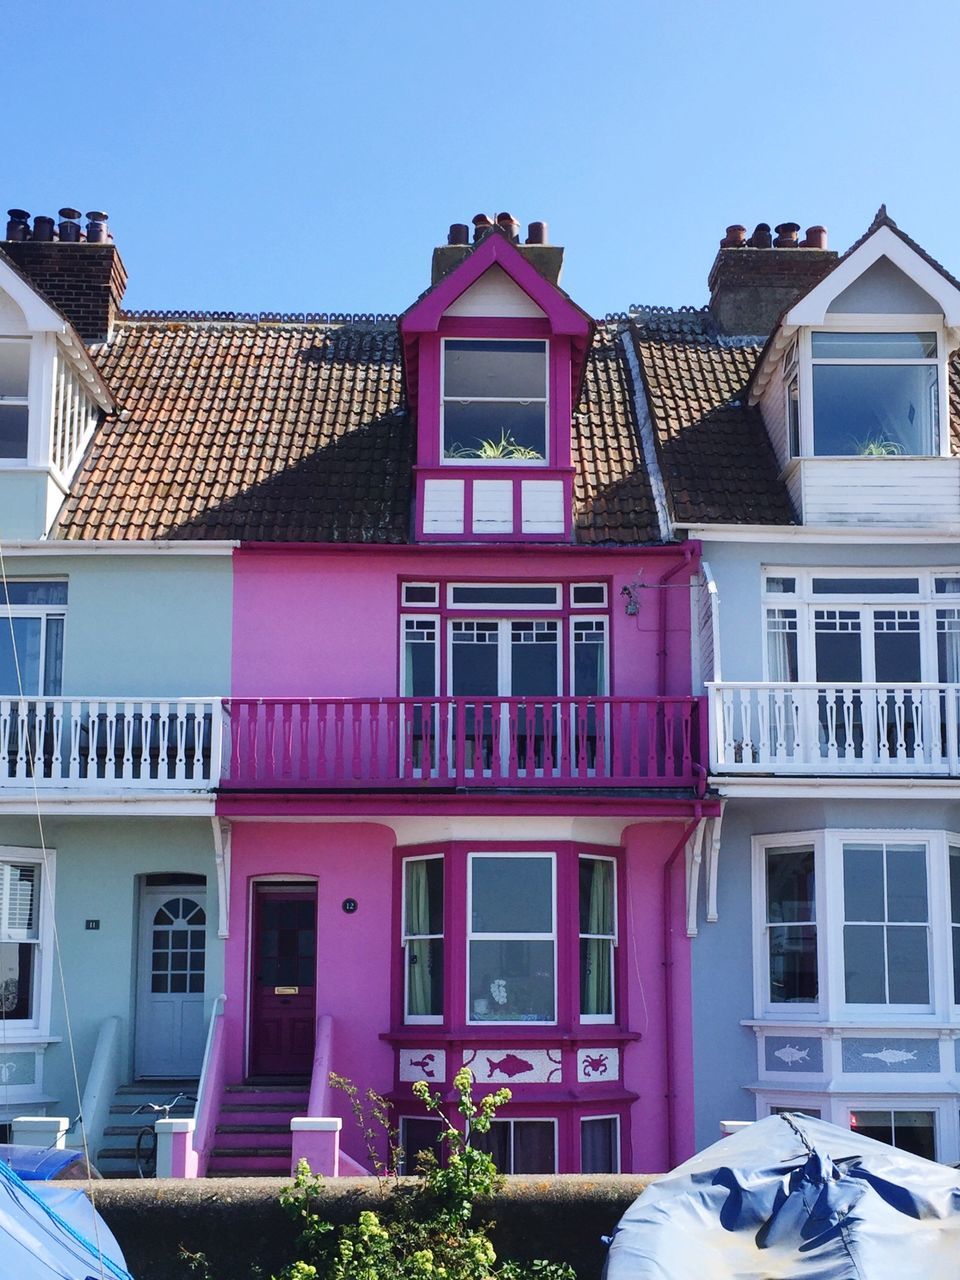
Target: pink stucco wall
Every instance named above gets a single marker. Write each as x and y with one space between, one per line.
324 621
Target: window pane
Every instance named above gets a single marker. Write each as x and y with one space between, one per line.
26 638
512 981
896 639
873 1124
534 659
589 665
420 659
519 595
863 882
596 896
598 1146
874 346
420 593
496 1143
837 646
418 1135
512 895
533 1147
906 882
914 1131
793 964
866 586
13 430
507 370
596 977
793 417
53 658
863 956
875 410
14 367
589 593
907 965
423 905
425 978
790 886
475 659
495 431
16 979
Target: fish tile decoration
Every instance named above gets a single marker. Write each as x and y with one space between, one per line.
514 1066
793 1053
598 1065
879 1054
423 1064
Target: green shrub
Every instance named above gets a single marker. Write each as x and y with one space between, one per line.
428 1231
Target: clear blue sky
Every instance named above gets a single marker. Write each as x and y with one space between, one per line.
305 155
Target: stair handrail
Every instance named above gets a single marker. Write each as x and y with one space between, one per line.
318 1103
103 1079
210 1089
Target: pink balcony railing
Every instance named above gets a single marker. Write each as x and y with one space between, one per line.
331 743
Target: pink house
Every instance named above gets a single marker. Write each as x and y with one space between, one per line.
463 803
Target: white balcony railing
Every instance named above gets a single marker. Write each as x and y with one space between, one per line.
811 728
106 743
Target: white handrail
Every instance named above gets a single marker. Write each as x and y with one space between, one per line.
102 1081
210 1089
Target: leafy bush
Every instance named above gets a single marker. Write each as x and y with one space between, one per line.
428 1231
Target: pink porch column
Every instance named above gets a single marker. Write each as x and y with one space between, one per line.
176 1157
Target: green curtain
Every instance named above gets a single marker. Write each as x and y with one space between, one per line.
596 982
418 948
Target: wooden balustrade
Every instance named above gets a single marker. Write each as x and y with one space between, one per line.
322 743
875 728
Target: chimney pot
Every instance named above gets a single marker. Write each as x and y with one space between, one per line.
787 235
18 224
537 233
42 228
761 238
735 238
508 223
97 231
69 227
816 238
459 233
481 223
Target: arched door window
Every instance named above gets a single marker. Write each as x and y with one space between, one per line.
179 947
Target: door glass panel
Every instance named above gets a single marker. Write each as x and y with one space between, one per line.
475 662
896 638
420 658
589 658
837 645
955 918
534 654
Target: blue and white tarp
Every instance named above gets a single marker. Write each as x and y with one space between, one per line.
791 1198
51 1231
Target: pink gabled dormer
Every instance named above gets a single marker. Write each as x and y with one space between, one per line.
494 355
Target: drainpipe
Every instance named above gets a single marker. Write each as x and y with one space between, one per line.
690 549
668 1039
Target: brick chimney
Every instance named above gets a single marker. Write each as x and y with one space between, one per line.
547 258
754 279
80 272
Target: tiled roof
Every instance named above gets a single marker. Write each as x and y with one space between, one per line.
288 429
715 455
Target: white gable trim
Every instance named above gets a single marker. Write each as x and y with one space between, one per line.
884 243
39 315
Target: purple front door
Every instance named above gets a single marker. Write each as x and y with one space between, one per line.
284 980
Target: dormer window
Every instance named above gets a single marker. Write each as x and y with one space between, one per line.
14 401
875 394
494 401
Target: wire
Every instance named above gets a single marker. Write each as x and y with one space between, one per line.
46 888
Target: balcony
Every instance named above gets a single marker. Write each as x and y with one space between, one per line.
446 742
109 743
828 729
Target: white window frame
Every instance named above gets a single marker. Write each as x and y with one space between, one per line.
505 655
422 1019
901 1102
604 620
418 618
871 323
832 1006
926 600
43 612
835 1108
616 1142
38 1024
496 462
470 937
515 1120
596 1019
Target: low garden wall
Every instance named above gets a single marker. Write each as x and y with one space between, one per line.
238 1224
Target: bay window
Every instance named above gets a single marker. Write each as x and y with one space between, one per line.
885 908
482 938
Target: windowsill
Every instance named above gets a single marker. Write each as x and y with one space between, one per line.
869 457
28 1035
919 1022
509 1033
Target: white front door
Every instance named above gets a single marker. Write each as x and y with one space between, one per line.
170 984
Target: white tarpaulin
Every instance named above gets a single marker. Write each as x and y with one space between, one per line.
50 1231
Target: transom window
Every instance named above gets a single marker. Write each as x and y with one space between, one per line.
875 394
32 618
494 396
14 402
